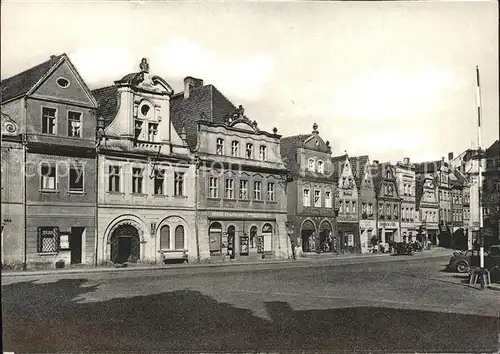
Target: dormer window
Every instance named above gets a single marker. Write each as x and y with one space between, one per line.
311 165
320 167
388 174
145 110
235 149
220 146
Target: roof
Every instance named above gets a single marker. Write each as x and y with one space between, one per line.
358 164
429 166
493 151
288 149
186 112
107 100
337 165
22 83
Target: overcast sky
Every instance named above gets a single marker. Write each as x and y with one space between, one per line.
386 79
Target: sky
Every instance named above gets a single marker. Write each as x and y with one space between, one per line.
386 79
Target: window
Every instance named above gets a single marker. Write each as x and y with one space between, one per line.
229 188
48 239
114 178
179 237
328 199
354 207
74 124
344 182
347 207
243 189
249 151
253 237
257 185
388 174
220 147
215 236
213 187
270 192
320 167
317 198
411 214
363 208
152 131
159 181
235 149
388 210
136 180
262 153
341 206
62 82
370 209
165 237
138 129
48 120
178 183
307 197
76 178
404 213
381 210
310 165
48 176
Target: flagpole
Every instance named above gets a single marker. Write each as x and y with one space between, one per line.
478 99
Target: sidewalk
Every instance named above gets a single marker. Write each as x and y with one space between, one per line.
300 262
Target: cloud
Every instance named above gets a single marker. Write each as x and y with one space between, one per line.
242 78
387 93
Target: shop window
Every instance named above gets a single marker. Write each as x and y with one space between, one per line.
229 188
76 178
243 189
137 180
179 237
235 149
215 236
49 120
257 190
249 151
253 237
214 187
271 196
48 176
165 237
231 232
74 124
179 183
114 178
159 181
48 239
220 147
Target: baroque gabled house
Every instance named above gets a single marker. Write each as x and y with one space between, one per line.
405 175
388 203
240 180
146 173
427 206
48 166
347 239
366 200
310 192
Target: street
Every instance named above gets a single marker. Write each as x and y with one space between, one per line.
406 305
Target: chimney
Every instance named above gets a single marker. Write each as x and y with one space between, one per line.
406 161
450 156
190 83
375 162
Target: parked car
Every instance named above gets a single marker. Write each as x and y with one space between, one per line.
463 260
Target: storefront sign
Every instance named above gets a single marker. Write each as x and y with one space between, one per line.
235 215
350 240
388 224
347 218
367 224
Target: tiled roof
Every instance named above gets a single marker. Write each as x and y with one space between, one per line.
337 165
21 83
185 113
288 149
107 100
358 164
428 167
493 151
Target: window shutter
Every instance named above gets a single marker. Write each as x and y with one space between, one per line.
39 239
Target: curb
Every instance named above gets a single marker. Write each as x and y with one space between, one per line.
299 262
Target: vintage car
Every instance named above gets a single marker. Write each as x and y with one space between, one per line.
461 261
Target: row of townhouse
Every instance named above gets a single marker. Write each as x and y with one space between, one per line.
132 172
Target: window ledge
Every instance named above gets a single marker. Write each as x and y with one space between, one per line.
160 196
244 200
48 253
258 201
139 194
180 196
77 192
272 202
115 193
229 199
55 191
213 198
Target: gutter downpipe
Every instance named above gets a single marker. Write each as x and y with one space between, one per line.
25 140
197 166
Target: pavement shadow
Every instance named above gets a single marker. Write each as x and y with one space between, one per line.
47 318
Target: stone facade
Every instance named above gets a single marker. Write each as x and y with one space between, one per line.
388 203
405 175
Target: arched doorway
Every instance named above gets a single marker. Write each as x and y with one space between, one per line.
325 237
231 242
215 237
267 235
125 244
308 238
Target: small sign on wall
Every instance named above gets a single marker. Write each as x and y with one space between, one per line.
64 241
350 240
